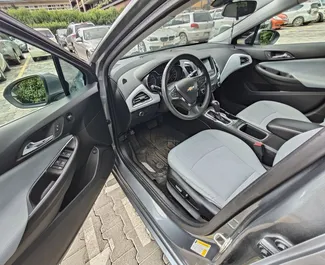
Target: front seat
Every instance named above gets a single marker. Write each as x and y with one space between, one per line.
213 166
263 112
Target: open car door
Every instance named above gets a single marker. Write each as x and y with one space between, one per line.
54 160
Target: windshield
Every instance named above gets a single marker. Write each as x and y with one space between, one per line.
95 33
197 24
46 32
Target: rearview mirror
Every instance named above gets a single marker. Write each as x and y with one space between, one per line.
264 37
34 91
78 39
239 9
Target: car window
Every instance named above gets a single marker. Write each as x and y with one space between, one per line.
22 77
95 33
295 8
80 26
323 2
46 32
202 17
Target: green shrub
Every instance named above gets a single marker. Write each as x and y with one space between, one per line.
61 18
30 90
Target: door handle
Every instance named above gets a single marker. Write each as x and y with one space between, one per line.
32 146
274 55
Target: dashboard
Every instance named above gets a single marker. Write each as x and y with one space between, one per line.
138 79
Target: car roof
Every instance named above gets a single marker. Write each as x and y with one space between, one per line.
77 24
96 27
42 29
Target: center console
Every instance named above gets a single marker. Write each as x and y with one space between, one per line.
264 143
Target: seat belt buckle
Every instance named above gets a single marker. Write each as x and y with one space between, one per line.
259 149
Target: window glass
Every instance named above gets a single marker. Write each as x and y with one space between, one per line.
23 69
95 33
202 17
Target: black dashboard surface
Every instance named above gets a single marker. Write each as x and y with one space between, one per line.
129 72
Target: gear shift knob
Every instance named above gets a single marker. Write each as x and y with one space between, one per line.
216 106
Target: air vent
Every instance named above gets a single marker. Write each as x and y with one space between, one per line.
244 60
140 98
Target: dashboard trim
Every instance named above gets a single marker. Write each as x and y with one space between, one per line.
154 98
233 64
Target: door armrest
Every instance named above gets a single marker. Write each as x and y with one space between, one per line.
287 128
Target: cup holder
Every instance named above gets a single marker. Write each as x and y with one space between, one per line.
253 131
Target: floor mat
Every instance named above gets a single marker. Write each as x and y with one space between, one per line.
151 148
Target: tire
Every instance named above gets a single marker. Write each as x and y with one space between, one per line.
22 57
2 76
183 39
320 17
17 58
142 47
7 67
299 21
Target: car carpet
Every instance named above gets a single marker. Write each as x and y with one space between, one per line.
151 148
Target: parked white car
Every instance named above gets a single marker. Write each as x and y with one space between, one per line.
88 39
192 26
161 38
37 53
221 23
302 14
3 68
321 10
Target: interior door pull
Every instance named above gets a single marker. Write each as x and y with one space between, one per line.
32 146
279 55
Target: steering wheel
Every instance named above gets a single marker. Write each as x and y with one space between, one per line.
185 92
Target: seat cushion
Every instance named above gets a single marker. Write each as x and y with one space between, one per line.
262 113
216 164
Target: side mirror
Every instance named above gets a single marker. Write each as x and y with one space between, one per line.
264 37
78 39
239 9
34 91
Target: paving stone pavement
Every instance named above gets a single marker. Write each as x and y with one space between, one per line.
113 234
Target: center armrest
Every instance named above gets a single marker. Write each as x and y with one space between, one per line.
287 128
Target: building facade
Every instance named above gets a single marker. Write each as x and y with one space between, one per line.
35 4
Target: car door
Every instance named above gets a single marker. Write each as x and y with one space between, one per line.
55 149
289 71
79 45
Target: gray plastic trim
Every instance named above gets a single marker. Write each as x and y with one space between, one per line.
233 64
14 187
153 98
309 72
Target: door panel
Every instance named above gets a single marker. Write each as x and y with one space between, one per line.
36 193
296 81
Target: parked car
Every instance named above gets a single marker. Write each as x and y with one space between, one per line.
72 33
279 21
3 67
61 37
88 39
11 51
321 10
220 23
301 14
37 53
192 26
161 38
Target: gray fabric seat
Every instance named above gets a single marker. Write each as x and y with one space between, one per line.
219 165
263 112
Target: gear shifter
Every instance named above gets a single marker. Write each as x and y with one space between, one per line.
216 106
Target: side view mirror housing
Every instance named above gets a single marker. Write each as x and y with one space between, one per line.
264 37
78 39
239 9
34 91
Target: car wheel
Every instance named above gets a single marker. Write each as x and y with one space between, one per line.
7 68
142 47
183 39
17 58
22 57
299 21
2 76
320 17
